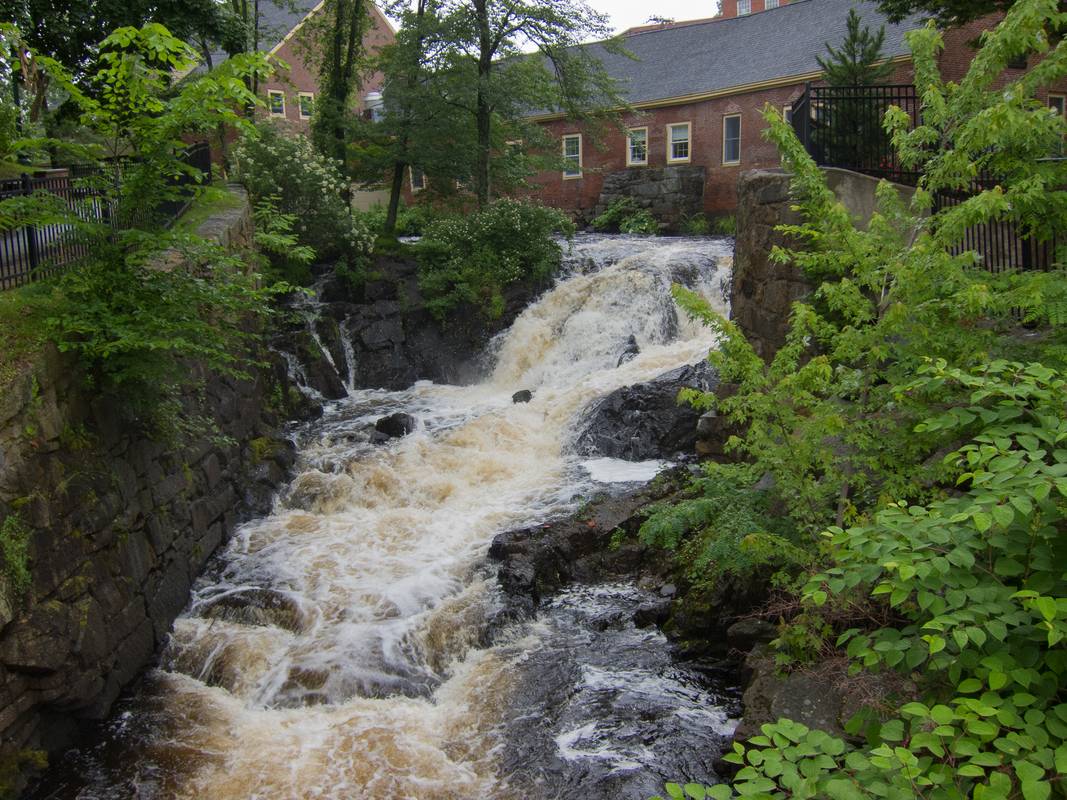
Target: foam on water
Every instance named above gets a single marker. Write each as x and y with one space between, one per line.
334 650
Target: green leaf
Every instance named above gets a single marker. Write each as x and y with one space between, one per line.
1036 790
839 789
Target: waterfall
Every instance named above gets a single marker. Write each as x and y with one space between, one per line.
335 648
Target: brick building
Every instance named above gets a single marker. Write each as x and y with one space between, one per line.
290 93
698 90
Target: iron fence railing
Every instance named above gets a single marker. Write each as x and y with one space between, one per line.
841 126
34 252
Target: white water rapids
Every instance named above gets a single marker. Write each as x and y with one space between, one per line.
336 648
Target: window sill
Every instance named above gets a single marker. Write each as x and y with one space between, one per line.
731 163
679 160
572 177
637 164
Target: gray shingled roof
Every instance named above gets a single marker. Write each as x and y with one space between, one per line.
276 19
716 55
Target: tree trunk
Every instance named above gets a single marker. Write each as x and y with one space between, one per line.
401 163
484 108
394 198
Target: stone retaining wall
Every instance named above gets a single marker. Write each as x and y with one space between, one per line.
118 525
671 194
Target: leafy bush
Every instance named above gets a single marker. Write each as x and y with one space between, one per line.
725 225
304 184
696 225
473 259
934 465
625 216
135 316
723 528
410 220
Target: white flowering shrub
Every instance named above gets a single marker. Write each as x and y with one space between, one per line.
474 258
304 184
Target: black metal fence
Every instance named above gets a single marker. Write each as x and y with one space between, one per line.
34 252
841 126
1001 245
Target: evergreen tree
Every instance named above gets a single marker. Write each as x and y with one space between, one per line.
853 137
859 61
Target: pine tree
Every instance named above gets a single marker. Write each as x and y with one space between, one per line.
856 61
855 138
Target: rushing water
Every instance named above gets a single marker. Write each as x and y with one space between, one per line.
336 648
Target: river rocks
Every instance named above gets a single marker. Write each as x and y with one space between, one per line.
396 425
536 561
630 352
394 340
645 421
524 396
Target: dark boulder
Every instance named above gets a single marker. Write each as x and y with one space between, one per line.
645 421
396 425
525 396
629 352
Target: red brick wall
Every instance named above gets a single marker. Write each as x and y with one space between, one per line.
729 7
299 77
705 146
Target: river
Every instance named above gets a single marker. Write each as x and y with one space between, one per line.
337 647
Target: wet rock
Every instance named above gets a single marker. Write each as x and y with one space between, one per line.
396 425
645 421
260 607
747 633
630 351
524 396
668 590
652 612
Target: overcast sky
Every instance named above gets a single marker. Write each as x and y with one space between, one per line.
628 13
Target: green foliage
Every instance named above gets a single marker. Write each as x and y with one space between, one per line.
14 554
722 528
859 60
725 225
936 465
286 259
136 317
15 768
410 220
304 185
473 259
625 216
696 225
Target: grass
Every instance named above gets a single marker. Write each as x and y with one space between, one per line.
22 315
212 200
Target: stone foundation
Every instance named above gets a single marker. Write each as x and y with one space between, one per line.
671 194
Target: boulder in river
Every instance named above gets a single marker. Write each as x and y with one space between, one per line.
645 421
630 351
396 425
524 396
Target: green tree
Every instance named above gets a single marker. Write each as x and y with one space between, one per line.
495 82
859 60
853 120
947 12
334 36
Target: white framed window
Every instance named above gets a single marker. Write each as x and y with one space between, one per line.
418 179
731 139
1059 103
276 102
769 4
572 156
637 147
678 142
787 113
744 7
306 100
